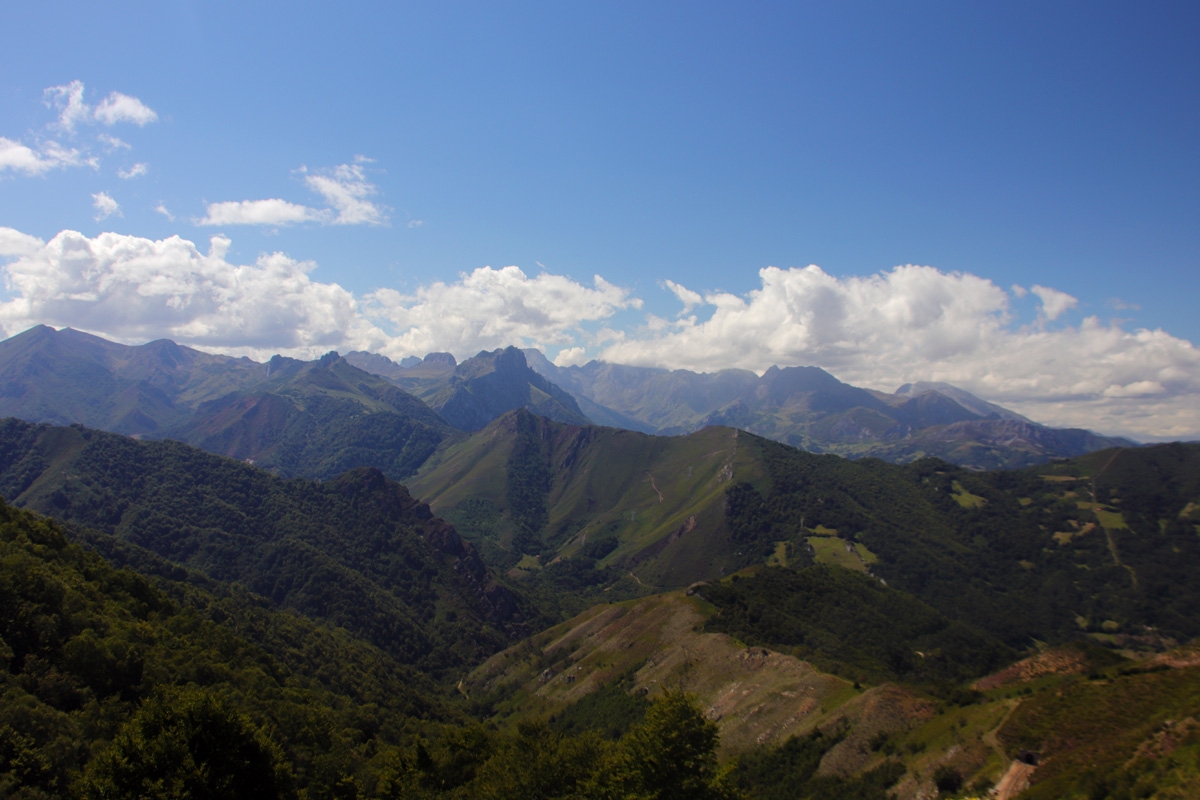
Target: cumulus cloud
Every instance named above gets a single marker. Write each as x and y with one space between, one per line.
491 308
68 99
570 357
134 290
119 107
686 296
919 323
105 206
136 171
18 157
346 189
15 243
1054 302
258 212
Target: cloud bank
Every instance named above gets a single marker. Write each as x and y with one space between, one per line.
906 324
134 290
918 323
491 308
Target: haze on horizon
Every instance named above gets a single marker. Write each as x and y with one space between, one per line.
999 198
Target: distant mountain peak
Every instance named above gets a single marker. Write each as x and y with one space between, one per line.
439 359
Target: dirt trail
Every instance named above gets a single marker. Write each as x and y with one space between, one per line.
1112 543
639 580
654 486
1016 779
990 739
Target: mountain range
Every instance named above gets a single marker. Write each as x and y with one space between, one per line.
808 408
320 418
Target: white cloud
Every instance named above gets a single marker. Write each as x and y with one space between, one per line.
73 111
570 357
50 155
259 212
112 143
491 308
343 188
15 243
686 296
346 189
1054 302
136 171
416 223
162 209
134 290
68 99
119 107
105 206
918 323
1135 389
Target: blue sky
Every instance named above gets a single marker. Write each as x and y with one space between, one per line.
363 164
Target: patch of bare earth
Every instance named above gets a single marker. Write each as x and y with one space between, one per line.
756 696
886 709
1054 662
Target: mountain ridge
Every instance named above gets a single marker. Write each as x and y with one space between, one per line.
808 408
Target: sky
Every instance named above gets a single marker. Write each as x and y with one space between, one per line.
1002 196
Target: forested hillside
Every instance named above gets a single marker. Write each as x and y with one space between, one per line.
84 646
357 551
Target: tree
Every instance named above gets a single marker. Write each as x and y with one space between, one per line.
186 743
671 755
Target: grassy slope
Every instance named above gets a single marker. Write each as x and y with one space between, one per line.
610 484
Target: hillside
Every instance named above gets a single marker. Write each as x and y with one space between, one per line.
357 551
585 510
652 505
317 419
791 730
